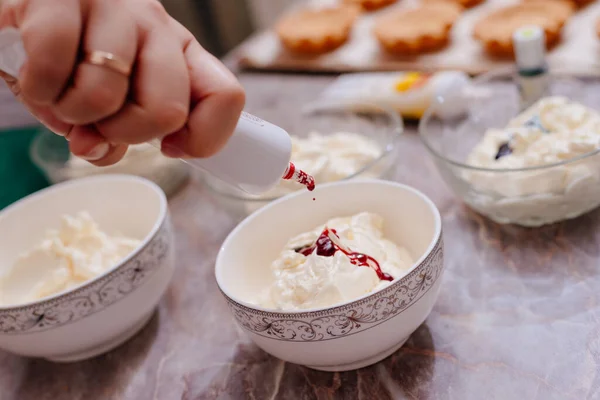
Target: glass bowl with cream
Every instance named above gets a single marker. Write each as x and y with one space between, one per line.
339 282
529 166
331 141
50 153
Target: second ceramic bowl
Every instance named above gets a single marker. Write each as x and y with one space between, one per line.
343 336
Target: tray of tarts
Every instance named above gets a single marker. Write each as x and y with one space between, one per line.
473 36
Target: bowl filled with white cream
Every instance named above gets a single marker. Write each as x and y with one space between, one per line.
83 265
332 141
339 282
51 155
529 165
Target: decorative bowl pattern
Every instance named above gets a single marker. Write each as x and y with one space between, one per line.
93 296
348 319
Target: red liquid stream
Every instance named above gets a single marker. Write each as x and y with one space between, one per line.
326 247
292 173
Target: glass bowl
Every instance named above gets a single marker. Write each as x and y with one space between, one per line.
380 124
50 153
531 196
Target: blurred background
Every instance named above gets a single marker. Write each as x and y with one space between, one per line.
220 25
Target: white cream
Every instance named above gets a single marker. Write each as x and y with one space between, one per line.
65 258
302 282
329 158
553 130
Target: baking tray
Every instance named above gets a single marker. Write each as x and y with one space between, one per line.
578 53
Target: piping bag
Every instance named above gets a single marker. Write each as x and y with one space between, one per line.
254 159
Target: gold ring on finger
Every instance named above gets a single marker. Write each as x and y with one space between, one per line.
108 60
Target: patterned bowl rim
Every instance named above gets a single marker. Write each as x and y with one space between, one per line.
425 258
163 212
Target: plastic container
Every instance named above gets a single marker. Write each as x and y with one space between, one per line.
531 196
380 124
50 153
19 177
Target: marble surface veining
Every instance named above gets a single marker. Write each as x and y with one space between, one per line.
518 315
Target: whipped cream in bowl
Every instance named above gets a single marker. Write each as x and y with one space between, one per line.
340 261
64 259
335 283
528 167
83 265
332 142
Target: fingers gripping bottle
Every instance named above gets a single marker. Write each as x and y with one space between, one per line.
254 159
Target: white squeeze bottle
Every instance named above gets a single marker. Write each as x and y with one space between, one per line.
529 43
254 159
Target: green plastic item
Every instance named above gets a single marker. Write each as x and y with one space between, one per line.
19 177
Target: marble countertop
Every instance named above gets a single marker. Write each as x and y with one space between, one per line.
518 316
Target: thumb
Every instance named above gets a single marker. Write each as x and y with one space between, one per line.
217 101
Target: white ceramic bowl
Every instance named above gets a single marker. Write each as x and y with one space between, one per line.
106 311
345 336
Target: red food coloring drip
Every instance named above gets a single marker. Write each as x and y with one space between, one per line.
325 246
291 173
306 180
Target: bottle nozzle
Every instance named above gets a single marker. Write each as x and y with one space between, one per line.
292 173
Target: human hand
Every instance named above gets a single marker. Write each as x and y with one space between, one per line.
176 89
